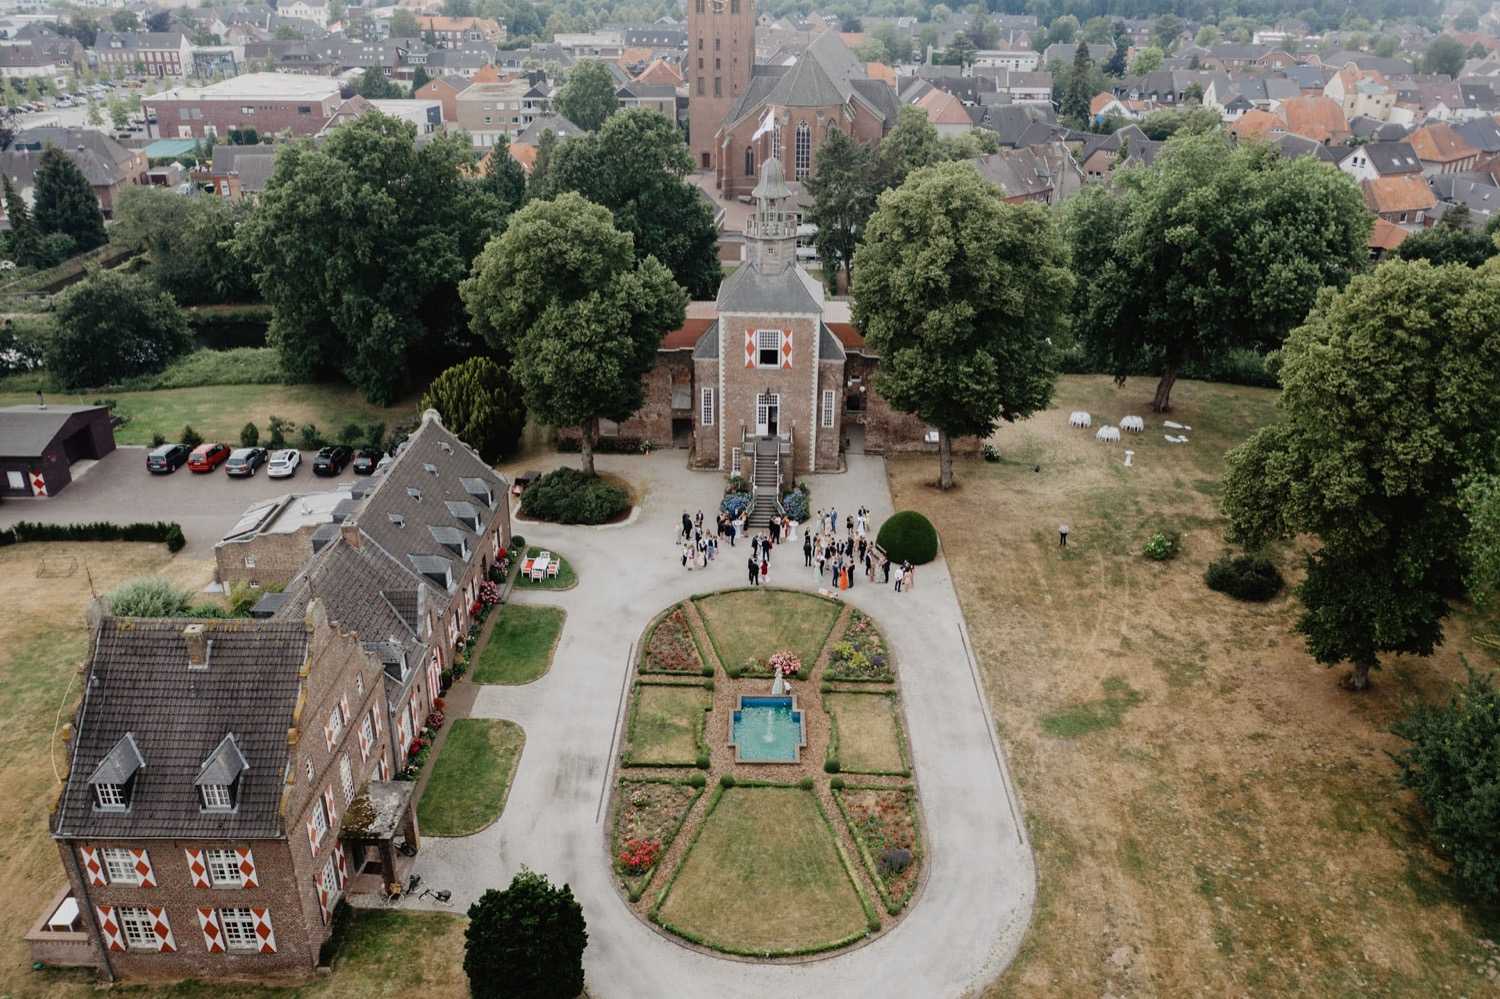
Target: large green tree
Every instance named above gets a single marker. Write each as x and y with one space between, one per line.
587 98
562 292
1451 241
959 293
188 243
636 167
25 242
63 202
111 326
504 178
1387 409
1481 505
1212 247
375 85
1079 91
480 403
525 942
358 245
843 190
911 145
1444 55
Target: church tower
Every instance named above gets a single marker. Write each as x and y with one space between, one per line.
721 52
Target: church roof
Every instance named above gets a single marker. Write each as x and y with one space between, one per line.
748 290
806 85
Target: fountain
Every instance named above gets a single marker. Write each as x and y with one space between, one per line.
767 730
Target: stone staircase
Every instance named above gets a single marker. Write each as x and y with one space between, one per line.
766 483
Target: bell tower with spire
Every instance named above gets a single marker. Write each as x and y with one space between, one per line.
771 233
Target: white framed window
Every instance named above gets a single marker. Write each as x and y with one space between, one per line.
307 768
238 924
367 729
15 480
329 878
110 796
803 151
707 416
336 722
346 777
249 561
359 685
320 819
224 868
768 348
216 797
120 866
827 415
137 925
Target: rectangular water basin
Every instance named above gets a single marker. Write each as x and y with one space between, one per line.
767 730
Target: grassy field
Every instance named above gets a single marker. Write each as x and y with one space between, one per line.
746 624
869 739
665 725
520 646
471 777
764 876
1212 814
218 412
565 579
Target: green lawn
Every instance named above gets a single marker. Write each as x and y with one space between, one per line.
471 777
752 624
565 579
520 646
218 412
764 877
666 725
869 733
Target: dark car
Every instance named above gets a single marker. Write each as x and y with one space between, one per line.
167 458
207 457
245 461
366 459
331 460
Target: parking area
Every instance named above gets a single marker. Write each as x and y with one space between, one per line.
118 488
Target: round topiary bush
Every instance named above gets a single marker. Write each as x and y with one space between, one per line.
908 537
567 496
1244 577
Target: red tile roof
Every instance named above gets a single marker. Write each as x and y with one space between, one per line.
1402 192
1439 143
848 335
685 337
1316 118
1386 235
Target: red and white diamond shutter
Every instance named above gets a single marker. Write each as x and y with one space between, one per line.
333 817
38 482
312 834
162 927
344 709
93 866
364 744
341 865
213 934
322 897
385 768
198 869
749 348
263 931
328 734
143 868
375 713
114 939
248 878
786 348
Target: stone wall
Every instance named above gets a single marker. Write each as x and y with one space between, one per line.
264 559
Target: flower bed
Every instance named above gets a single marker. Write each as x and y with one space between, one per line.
860 654
671 647
883 823
647 812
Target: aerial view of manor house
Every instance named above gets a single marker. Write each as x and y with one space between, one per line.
513 500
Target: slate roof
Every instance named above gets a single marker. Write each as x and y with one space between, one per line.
25 430
749 290
560 127
363 589
806 85
1389 158
707 346
1481 133
138 683
252 164
1298 145
1481 196
104 161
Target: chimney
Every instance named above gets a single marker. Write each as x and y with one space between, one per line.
196 637
351 534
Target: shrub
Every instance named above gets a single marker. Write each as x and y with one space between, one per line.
235 366
639 855
375 436
191 437
311 439
991 453
526 941
727 780
170 534
249 435
794 501
1244 577
805 783
1163 546
702 761
893 861
737 484
908 537
568 496
517 543
481 404
837 783
697 780
148 597
707 671
157 440
352 434
735 503
831 765
279 427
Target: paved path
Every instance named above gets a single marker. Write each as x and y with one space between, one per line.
965 926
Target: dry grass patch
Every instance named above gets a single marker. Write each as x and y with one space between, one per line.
1212 815
666 725
867 733
747 626
764 877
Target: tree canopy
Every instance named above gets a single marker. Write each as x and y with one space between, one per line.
635 166
525 942
374 85
111 326
1444 55
481 404
843 190
1451 241
63 202
562 292
587 98
1386 409
1209 248
188 243
959 293
358 245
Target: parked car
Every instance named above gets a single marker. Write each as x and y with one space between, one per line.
245 461
366 459
284 464
331 460
166 459
207 457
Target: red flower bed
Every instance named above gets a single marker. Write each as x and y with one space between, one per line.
639 855
671 645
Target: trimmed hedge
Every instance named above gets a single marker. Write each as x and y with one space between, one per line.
1244 577
908 537
168 533
567 496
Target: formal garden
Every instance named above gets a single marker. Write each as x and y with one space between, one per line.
763 804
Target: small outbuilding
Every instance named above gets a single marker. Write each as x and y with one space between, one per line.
40 443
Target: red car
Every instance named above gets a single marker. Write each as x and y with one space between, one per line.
207 457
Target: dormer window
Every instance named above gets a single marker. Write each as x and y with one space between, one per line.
480 490
466 515
414 493
430 469
216 797
114 777
219 777
452 539
110 796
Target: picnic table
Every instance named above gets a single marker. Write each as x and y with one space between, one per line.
539 566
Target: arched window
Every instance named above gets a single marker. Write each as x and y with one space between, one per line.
777 150
804 151
749 161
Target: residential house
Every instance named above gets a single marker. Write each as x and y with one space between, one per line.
1291 146
1403 199
274 539
1484 135
425 116
1317 118
241 171
1360 92
1106 105
1046 174
1020 60
108 166
444 90
1020 86
150 53
946 113
1064 52
1385 238
660 72
488 111
461 32
468 63
1478 194
34 51
1380 159
316 11
1257 124
1442 149
654 97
